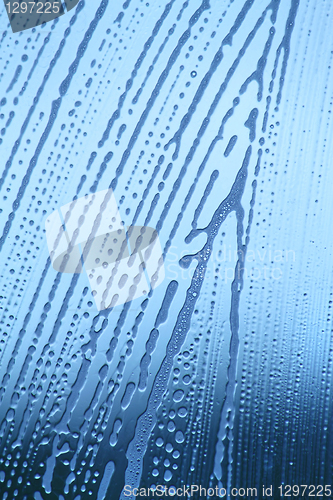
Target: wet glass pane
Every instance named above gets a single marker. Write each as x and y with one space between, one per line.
166 253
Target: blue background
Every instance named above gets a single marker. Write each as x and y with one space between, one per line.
212 122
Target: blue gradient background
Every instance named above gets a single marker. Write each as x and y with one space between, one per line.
211 121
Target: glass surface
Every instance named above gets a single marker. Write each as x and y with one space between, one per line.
210 123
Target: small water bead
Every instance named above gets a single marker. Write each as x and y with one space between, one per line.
171 426
167 475
169 447
182 412
159 442
179 437
178 395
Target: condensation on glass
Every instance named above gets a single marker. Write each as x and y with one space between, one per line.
195 347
